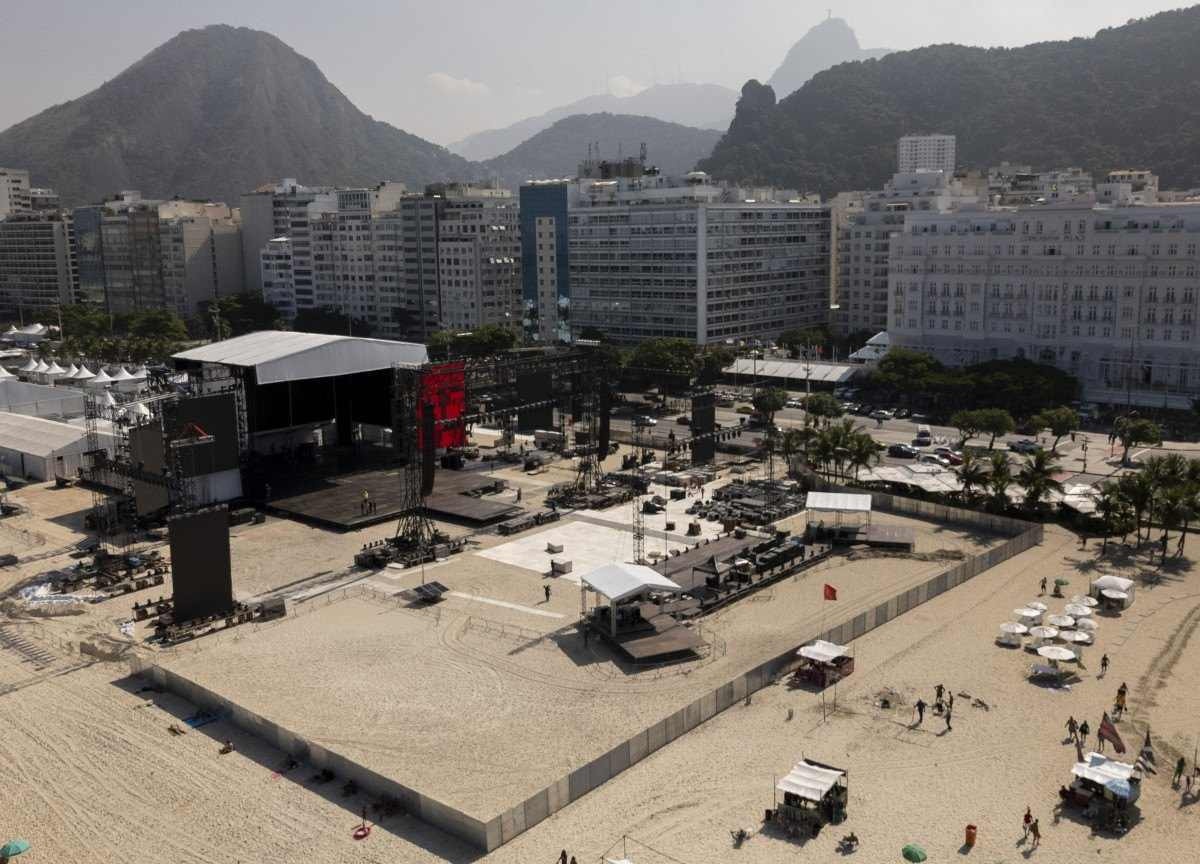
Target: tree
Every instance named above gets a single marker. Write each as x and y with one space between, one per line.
155 324
999 479
795 341
861 452
972 474
240 314
1138 491
1113 510
594 334
994 422
1060 421
713 361
905 371
823 406
967 424
1037 476
327 319
767 401
1133 431
1172 509
669 363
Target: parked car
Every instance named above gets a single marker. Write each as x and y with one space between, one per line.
881 414
934 459
644 420
793 403
951 456
901 413
1025 445
902 451
683 420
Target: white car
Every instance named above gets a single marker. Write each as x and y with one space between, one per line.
934 459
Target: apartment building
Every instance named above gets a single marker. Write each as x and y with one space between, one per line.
283 210
1108 294
201 248
37 267
653 257
479 263
863 242
926 153
545 276
278 285
14 192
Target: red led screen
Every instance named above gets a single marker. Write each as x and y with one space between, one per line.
444 386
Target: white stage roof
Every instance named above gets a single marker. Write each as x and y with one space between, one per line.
618 581
36 435
841 502
809 781
280 355
799 370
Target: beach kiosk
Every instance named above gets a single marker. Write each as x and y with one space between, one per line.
823 663
1113 593
814 794
1104 789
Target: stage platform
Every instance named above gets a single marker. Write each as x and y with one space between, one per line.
335 502
680 568
662 640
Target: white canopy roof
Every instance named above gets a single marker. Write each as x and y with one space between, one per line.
1115 583
83 373
278 355
822 651
4 373
55 369
618 581
37 436
798 369
141 372
40 367
1100 769
842 502
29 366
101 377
71 370
122 374
810 782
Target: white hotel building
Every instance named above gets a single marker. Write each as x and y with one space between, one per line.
1107 294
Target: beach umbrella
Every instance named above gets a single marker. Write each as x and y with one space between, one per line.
1055 652
1075 636
1060 621
1013 629
1041 607
1061 581
1076 610
1084 600
1026 612
1043 632
13 848
1086 624
913 852
1114 594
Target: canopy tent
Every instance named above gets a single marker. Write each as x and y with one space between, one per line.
83 374
810 781
822 651
839 503
619 582
1117 777
40 367
4 373
29 366
122 374
1113 588
100 379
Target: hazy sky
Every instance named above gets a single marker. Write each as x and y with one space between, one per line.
445 69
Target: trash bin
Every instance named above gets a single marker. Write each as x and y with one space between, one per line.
971 830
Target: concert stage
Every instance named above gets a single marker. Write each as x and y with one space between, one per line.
335 502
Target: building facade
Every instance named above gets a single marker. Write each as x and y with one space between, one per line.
37 266
926 153
201 258
650 257
1108 294
479 264
14 192
545 275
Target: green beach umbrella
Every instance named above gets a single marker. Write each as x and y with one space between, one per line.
1061 581
13 848
913 852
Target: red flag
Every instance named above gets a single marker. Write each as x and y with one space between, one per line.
1109 733
830 592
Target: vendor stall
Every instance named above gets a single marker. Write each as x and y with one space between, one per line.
1113 592
823 663
1105 789
814 794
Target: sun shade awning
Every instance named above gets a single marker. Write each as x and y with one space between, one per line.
822 651
619 581
839 502
810 782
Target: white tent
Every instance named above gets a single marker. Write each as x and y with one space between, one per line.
29 366
810 782
71 370
4 373
100 379
83 374
141 372
822 651
839 503
1115 586
122 374
619 582
1117 777
40 368
53 372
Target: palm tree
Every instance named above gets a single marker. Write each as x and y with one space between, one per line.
999 479
1171 507
861 452
972 474
821 452
1138 491
1037 476
1113 510
790 443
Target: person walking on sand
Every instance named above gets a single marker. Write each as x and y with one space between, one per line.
562 857
1072 728
1043 585
546 588
366 502
920 706
1037 834
950 703
1083 733
949 728
1178 775
1104 665
1027 821
939 690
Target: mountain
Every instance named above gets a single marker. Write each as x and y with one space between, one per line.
829 43
1125 98
709 106
556 152
214 113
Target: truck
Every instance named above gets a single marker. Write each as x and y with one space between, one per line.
547 439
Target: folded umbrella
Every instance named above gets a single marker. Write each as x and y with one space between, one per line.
13 848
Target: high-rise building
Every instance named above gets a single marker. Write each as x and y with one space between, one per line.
1109 294
283 210
202 258
862 257
479 263
89 255
652 257
925 153
14 192
43 200
132 250
545 276
278 286
37 268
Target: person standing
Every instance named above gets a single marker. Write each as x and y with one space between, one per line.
1043 585
562 857
950 703
546 588
1179 769
1104 665
920 711
1072 729
1083 733
939 690
949 728
1037 834
366 502
1027 821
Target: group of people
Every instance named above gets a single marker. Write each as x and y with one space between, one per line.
1032 828
941 706
1184 776
562 858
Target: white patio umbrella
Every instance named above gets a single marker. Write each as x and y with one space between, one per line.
1036 604
1043 632
1088 624
1056 652
1060 621
1012 628
1084 600
1077 610
1027 613
1114 594
1080 636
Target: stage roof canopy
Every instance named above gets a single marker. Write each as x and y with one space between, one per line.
281 355
839 502
619 581
811 782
